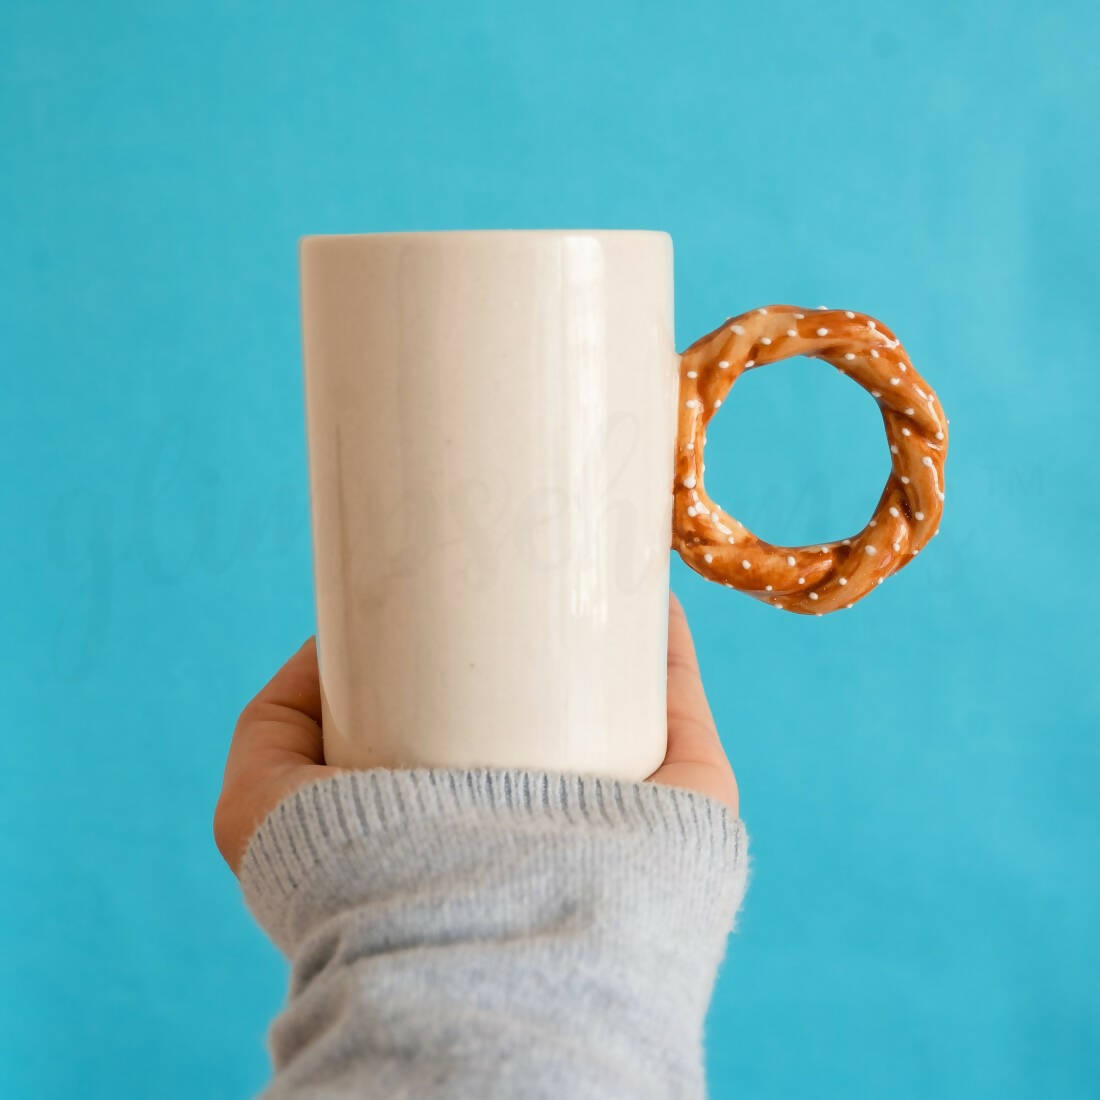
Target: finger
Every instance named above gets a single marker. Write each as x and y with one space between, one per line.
297 685
284 719
692 734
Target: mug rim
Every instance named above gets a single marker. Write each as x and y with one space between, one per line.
454 234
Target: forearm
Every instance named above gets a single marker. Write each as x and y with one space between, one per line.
495 933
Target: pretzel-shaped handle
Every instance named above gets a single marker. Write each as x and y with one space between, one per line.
810 579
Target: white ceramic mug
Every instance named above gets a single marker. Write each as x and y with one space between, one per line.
492 423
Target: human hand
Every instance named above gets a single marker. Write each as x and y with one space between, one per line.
276 749
277 746
694 758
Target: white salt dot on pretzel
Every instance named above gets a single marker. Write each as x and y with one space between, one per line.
692 374
692 403
847 542
902 367
894 449
767 588
880 580
874 354
718 403
872 523
731 539
939 493
895 381
765 339
691 509
818 614
849 314
870 324
688 482
894 512
801 580
909 412
842 581
727 584
849 355
800 316
761 310
790 559
823 331
870 550
906 431
724 529
904 480
750 363
936 532
822 307
708 558
813 595
918 516
745 565
823 550
876 393
897 546
723 364
926 461
939 435
737 329
792 332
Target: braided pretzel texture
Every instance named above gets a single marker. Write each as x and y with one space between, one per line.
810 580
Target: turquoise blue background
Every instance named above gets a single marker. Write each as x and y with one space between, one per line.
919 774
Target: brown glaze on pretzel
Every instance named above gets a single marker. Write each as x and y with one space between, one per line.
810 579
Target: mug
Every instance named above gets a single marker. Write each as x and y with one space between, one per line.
503 445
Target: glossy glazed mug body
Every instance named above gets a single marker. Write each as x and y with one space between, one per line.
492 421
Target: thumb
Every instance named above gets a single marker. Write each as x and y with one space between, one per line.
692 734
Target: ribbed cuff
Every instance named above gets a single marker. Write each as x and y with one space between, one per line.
332 836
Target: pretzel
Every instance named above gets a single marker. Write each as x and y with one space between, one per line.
810 580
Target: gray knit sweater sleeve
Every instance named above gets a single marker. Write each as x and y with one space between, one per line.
494 933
